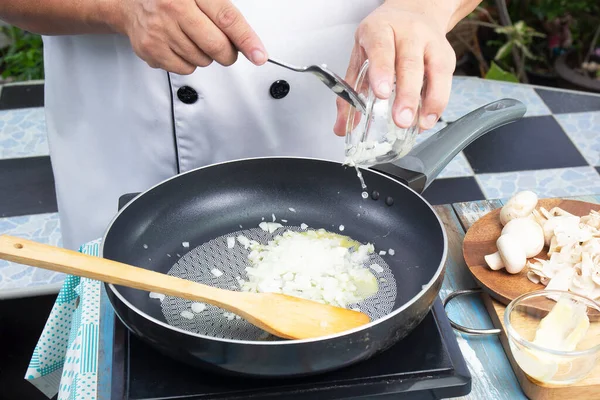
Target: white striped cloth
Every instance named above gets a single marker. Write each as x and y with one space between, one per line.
65 359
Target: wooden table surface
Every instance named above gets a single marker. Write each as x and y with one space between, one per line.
492 374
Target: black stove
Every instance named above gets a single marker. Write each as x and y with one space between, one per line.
427 364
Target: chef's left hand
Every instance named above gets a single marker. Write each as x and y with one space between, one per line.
406 38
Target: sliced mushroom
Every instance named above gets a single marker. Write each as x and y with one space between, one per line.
533 277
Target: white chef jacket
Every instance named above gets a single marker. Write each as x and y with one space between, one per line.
117 126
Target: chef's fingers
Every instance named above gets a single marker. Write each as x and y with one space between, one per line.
409 80
184 47
233 24
378 43
440 62
207 36
343 108
171 62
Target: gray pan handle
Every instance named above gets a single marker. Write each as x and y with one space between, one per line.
426 160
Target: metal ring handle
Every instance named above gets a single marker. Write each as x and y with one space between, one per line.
464 329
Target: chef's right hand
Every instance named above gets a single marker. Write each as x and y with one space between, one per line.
181 35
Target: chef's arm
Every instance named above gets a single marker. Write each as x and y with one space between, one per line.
463 8
61 17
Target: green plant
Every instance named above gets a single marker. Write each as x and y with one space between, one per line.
514 48
23 59
545 29
519 37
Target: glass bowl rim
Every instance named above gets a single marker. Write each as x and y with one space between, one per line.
352 111
514 335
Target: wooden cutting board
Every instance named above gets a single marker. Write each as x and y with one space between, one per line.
480 240
481 221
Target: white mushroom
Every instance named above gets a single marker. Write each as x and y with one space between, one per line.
520 205
521 238
494 261
530 235
510 255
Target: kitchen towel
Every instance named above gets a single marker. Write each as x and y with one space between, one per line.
65 359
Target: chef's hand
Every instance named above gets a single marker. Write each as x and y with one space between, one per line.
181 35
406 38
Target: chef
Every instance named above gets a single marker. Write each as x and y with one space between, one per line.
137 91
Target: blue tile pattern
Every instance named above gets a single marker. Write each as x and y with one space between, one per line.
23 133
471 93
578 181
584 131
43 228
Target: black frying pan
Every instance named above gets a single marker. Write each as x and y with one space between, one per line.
206 203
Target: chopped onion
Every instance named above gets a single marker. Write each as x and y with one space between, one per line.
316 265
391 252
284 220
216 272
185 244
187 314
273 216
377 268
158 296
168 255
382 253
269 226
244 241
145 246
230 316
292 209
198 307
341 228
230 242
303 226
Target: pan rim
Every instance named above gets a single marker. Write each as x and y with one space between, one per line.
424 289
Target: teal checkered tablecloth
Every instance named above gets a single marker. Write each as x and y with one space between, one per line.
65 359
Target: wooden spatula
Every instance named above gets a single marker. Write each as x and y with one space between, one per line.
281 315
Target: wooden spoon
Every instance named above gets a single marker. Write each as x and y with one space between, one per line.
281 315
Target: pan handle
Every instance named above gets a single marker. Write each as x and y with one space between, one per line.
426 160
464 329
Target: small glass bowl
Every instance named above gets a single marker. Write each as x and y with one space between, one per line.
541 361
374 138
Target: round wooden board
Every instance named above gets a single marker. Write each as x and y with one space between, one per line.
480 240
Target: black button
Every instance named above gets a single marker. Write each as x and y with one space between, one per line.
187 95
279 89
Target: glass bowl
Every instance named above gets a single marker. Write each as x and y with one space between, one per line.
566 346
373 138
